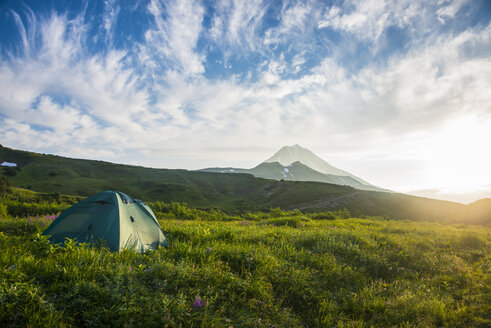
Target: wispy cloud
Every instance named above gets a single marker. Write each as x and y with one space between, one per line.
328 77
174 37
240 21
110 17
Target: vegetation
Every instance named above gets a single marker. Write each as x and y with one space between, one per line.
24 203
256 254
261 269
231 193
5 185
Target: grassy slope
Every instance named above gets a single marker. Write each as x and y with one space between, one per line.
230 192
262 273
50 173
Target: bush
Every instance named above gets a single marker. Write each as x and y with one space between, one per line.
10 171
3 211
182 211
5 185
290 221
471 241
23 209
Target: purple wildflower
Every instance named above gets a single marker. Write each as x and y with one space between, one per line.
199 303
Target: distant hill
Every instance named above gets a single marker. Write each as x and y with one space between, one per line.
228 191
295 163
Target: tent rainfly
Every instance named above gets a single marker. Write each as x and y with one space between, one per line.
112 217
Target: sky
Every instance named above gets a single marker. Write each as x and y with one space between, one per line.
395 92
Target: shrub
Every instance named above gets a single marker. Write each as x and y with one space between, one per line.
3 211
290 221
5 185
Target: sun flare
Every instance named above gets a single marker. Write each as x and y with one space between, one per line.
458 155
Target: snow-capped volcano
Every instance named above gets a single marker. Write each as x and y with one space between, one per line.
295 163
291 154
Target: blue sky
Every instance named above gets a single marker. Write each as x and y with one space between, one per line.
396 92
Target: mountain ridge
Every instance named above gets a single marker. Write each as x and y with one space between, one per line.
312 168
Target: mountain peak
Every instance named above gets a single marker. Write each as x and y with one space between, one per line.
295 153
292 147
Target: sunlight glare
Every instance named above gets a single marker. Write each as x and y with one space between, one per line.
459 155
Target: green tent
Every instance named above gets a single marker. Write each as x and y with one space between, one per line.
112 217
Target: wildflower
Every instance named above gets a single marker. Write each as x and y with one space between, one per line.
308 252
303 224
199 303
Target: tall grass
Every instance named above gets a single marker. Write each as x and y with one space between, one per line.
273 269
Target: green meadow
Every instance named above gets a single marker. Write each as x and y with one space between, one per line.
264 269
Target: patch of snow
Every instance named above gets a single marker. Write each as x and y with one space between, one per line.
8 164
286 170
232 170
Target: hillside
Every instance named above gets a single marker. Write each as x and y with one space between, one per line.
49 173
230 192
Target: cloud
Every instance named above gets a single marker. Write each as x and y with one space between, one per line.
100 85
243 19
449 9
174 39
296 85
110 17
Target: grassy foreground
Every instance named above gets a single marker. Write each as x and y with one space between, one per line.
263 271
